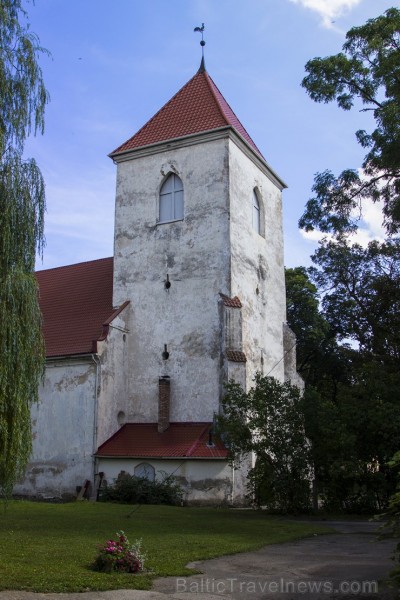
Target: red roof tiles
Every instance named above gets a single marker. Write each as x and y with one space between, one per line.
231 302
180 440
75 302
199 106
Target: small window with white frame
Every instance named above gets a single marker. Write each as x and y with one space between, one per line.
256 213
171 200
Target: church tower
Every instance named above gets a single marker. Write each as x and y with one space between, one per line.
140 345
199 256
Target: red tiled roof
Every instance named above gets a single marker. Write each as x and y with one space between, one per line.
231 302
75 302
180 440
199 106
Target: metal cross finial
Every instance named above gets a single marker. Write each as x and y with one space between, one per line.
202 44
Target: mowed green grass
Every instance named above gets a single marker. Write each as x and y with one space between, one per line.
50 547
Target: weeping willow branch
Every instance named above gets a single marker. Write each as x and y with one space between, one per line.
22 206
21 357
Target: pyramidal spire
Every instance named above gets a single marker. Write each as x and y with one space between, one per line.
198 107
202 68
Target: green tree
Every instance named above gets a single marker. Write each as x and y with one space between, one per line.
361 302
324 366
268 421
361 293
22 205
351 400
316 346
367 72
391 526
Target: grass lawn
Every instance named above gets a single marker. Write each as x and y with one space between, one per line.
50 547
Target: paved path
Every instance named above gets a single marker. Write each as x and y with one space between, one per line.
348 564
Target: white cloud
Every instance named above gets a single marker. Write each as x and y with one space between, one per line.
370 227
329 10
80 217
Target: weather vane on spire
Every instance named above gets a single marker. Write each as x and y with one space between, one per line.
202 44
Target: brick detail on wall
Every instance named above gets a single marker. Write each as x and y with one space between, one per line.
164 400
236 356
232 302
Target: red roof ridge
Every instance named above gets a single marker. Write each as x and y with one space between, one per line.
212 88
84 262
218 97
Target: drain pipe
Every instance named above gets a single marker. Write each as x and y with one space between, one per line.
233 484
96 360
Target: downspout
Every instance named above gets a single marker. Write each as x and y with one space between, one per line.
96 360
233 484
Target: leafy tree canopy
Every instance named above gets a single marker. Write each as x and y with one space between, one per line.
366 72
361 288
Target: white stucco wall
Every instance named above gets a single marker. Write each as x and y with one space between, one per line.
194 253
203 481
113 391
213 249
257 267
81 400
63 430
291 374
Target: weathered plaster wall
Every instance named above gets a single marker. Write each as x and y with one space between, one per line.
83 401
289 344
257 267
113 391
194 253
204 481
63 429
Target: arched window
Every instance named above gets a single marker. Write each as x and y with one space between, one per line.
256 213
145 471
171 199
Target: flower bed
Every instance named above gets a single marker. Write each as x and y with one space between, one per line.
120 555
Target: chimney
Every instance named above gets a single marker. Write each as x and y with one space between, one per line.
164 395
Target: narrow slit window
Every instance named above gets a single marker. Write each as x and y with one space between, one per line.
256 213
171 199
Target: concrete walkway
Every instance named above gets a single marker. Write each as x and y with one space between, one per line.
348 564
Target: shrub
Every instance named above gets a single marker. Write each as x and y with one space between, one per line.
120 556
129 489
391 527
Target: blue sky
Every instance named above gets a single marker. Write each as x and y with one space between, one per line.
116 62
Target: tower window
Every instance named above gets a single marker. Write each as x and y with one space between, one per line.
171 199
256 213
